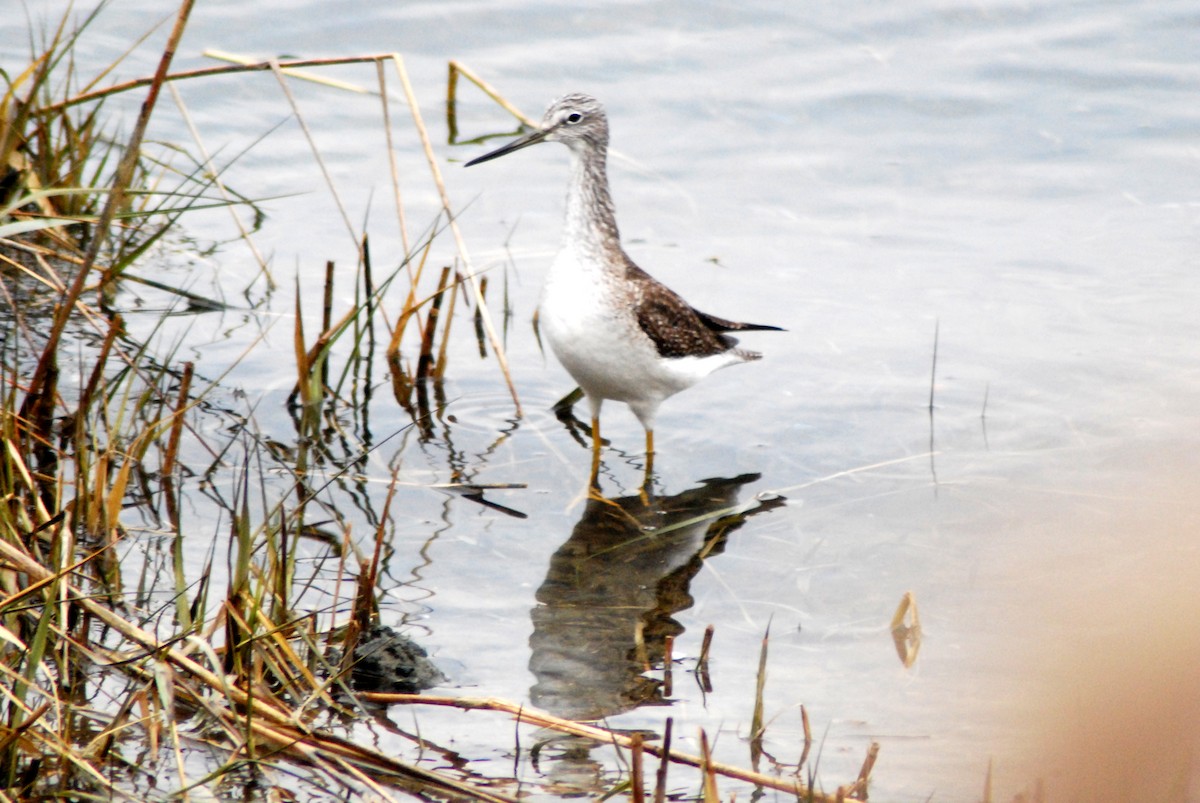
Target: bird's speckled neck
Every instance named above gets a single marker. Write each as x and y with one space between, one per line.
591 223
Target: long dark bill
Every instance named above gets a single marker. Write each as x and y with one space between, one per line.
516 145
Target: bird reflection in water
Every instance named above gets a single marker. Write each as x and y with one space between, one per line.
627 567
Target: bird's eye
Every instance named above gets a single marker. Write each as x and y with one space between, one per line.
574 117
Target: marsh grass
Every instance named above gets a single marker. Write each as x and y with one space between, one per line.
138 651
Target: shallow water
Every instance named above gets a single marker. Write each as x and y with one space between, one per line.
1018 178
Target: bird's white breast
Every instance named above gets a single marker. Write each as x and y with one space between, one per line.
594 334
588 327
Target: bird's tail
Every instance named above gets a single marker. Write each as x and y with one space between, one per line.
723 325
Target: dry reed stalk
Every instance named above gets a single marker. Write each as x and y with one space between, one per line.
17 733
858 789
757 728
808 740
242 66
906 630
709 783
702 676
21 473
68 758
276 645
369 294
425 358
327 313
439 369
393 165
316 152
115 325
401 383
320 747
309 386
411 305
121 182
181 405
258 714
668 663
480 332
183 612
215 176
636 779
640 654
544 720
458 68
303 361
303 75
664 764
493 338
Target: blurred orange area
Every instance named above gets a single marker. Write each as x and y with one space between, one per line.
1115 690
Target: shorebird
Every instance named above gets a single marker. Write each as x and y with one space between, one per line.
621 334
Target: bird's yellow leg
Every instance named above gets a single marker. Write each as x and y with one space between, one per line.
648 478
595 478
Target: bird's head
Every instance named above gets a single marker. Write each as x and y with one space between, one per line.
576 120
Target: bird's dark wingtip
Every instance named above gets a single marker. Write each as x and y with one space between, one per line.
725 325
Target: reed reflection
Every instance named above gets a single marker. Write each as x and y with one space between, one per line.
626 570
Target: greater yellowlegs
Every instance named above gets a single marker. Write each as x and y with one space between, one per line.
620 334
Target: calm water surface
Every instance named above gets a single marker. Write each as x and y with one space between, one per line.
1020 178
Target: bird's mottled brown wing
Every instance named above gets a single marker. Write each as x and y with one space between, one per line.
675 328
